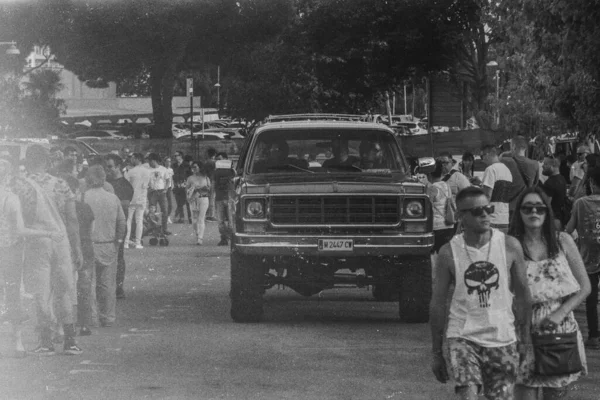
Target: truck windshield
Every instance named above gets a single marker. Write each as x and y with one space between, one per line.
325 151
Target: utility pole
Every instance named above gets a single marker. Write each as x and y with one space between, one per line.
404 98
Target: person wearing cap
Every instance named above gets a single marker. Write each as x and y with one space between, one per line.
451 175
577 171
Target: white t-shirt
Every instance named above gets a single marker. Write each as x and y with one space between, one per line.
438 195
139 177
158 178
457 182
576 170
498 173
169 178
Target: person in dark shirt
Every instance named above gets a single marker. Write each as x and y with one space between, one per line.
555 187
85 217
222 180
124 191
181 171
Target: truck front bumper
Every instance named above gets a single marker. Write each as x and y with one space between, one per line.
303 245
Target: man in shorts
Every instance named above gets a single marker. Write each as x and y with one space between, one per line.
486 267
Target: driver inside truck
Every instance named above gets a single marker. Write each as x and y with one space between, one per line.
341 154
371 155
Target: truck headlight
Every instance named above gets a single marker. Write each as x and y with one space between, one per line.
414 209
255 208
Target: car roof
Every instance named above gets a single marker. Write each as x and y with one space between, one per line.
324 124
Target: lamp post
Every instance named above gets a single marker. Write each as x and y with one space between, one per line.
497 78
218 86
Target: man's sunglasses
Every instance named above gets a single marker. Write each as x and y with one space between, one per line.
478 211
540 210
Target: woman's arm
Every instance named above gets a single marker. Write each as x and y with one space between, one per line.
578 269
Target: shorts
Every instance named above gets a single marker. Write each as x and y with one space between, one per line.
493 368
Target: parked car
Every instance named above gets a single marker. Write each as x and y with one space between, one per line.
314 226
217 135
94 134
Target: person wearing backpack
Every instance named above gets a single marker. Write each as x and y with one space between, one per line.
12 230
585 218
497 184
441 199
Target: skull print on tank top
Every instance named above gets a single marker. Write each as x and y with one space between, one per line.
481 309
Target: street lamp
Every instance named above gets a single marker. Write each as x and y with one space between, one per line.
218 86
497 78
12 49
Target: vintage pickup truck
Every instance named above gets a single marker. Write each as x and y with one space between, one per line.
324 200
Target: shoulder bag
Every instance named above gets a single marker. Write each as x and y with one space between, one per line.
556 354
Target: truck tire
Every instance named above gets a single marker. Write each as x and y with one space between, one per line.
415 290
247 288
384 292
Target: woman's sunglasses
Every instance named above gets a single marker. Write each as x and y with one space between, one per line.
478 211
540 210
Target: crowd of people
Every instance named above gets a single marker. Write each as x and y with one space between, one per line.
515 254
65 226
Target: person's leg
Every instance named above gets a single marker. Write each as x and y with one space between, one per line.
211 205
62 284
162 200
189 211
105 291
179 203
169 201
465 365
499 367
84 296
12 267
203 203
591 307
139 224
120 271
221 206
36 277
195 224
130 214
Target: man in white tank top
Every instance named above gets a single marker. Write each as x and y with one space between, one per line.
483 264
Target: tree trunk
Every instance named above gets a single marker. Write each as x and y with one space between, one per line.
157 73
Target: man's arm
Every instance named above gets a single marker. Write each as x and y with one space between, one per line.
518 272
572 224
488 181
437 309
121 227
72 226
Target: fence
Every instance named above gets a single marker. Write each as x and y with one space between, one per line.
456 142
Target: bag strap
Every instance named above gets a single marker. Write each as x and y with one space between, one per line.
447 177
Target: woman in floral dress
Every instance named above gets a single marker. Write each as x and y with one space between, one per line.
558 284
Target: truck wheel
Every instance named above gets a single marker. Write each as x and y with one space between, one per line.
415 290
247 288
385 292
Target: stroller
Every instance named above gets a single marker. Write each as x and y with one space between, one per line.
153 228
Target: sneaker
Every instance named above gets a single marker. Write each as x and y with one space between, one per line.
169 220
42 350
85 331
125 245
593 343
199 242
167 233
223 242
139 246
72 349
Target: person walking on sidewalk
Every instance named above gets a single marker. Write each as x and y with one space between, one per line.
157 193
585 218
486 267
497 185
181 172
198 190
124 191
209 170
139 178
107 235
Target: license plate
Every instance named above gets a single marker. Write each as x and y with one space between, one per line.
336 245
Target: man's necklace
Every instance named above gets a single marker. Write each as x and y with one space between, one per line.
489 249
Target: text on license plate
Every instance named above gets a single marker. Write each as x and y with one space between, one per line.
336 244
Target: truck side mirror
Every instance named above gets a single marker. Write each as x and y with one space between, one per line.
426 165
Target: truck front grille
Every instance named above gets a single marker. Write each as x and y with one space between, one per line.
335 210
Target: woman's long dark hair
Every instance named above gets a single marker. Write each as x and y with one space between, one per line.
549 234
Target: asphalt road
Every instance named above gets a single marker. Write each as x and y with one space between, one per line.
174 340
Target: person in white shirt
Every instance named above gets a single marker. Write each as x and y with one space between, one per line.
577 171
157 191
167 165
139 177
497 183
